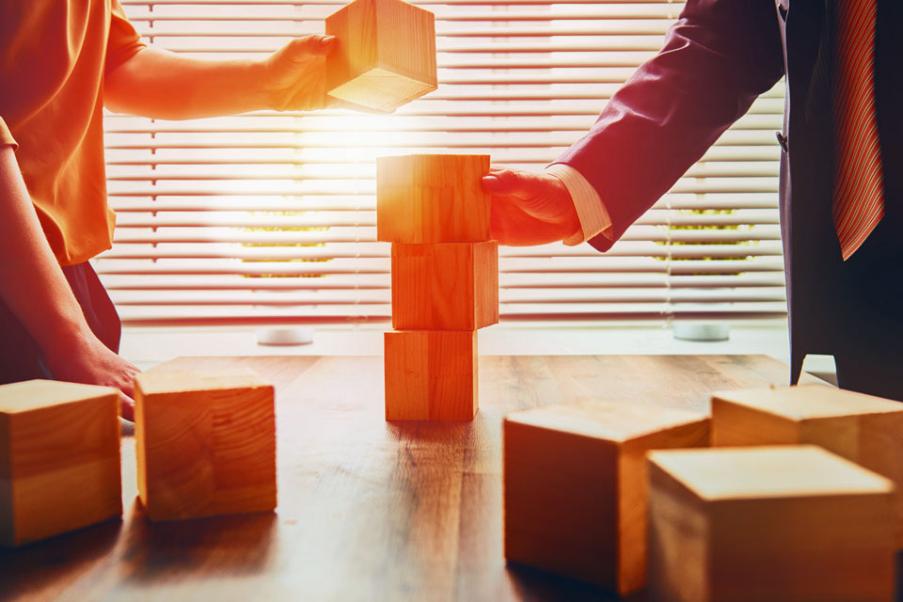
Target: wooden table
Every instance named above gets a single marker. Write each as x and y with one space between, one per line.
367 510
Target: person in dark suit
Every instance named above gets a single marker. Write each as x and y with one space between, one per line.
841 198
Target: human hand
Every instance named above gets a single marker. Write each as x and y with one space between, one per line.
294 77
85 359
529 208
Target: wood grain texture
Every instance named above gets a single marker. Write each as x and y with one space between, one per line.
767 523
368 510
431 375
386 54
59 459
445 286
865 429
575 486
432 198
206 444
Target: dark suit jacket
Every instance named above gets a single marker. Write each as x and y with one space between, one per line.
716 60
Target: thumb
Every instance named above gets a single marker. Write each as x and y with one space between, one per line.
503 182
313 44
126 407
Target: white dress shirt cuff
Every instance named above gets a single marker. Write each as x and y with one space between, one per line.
591 212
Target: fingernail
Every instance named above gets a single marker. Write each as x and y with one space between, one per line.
327 40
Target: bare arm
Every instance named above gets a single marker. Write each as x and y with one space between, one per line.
33 286
161 84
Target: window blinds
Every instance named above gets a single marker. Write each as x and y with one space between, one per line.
269 217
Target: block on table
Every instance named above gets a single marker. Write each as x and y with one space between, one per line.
386 53
767 523
445 286
865 429
431 375
206 444
575 486
59 459
432 198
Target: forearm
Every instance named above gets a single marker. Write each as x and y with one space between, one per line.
160 84
717 59
32 284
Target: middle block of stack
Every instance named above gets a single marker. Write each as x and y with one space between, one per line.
444 282
445 286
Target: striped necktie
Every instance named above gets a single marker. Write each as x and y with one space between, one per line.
859 184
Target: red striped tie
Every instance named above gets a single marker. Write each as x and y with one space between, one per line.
858 186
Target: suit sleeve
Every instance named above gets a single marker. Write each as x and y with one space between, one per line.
124 42
718 57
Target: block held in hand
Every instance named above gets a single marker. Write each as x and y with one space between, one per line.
432 199
386 54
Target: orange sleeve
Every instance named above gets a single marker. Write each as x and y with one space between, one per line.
124 41
6 137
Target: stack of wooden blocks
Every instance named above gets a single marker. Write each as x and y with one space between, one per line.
444 282
798 499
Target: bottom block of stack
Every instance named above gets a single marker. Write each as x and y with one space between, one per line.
767 523
431 375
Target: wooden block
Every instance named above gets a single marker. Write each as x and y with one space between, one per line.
431 375
445 286
767 523
386 54
206 444
867 430
432 198
59 459
575 486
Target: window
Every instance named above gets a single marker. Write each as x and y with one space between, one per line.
270 216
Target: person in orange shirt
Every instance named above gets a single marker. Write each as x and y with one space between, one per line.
61 62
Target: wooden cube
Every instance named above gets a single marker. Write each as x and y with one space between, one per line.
767 523
445 286
59 459
432 198
575 486
386 54
206 444
867 430
431 375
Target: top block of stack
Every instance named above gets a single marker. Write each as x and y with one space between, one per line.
432 199
386 54
864 429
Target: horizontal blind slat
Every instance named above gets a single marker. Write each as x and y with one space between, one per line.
269 217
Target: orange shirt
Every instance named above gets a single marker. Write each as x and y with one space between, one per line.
53 56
